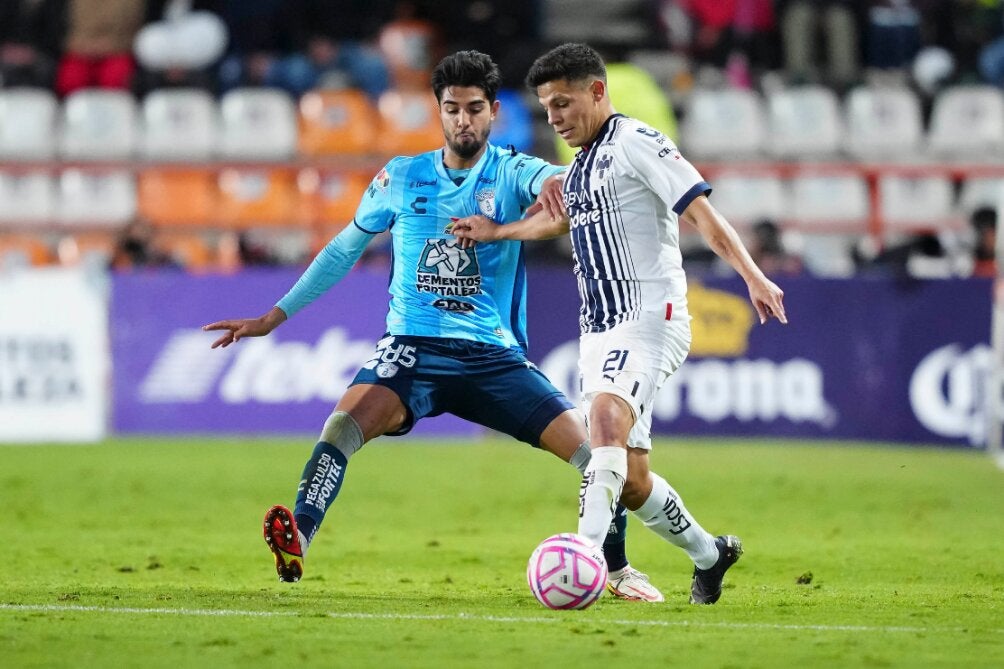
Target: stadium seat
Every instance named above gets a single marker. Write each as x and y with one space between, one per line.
883 123
514 124
28 197
804 122
908 203
27 124
98 125
92 249
967 122
180 124
334 122
22 251
409 123
178 197
330 198
257 124
100 198
728 123
979 192
829 202
259 197
744 197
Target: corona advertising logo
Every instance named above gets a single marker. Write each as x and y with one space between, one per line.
447 269
721 322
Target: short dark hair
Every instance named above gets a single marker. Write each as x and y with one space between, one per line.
984 218
571 61
467 68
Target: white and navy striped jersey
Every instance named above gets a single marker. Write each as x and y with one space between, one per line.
624 194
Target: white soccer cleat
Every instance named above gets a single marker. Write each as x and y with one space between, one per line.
629 583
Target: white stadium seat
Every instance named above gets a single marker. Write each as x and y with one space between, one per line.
803 122
96 197
726 123
98 125
258 124
27 124
179 124
883 123
828 201
27 197
967 122
979 192
828 255
916 203
744 197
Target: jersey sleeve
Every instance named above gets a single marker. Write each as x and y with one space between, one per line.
654 159
331 264
529 174
375 212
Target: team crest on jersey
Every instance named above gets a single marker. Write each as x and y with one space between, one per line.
382 180
603 167
486 201
446 269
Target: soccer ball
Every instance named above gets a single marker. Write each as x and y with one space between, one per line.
567 571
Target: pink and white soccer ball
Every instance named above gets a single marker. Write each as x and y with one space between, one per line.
567 571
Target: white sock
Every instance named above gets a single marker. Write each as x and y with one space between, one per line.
664 513
600 490
304 544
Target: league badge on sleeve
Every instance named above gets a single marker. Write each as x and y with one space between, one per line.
382 179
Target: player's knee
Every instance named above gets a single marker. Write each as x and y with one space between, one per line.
343 432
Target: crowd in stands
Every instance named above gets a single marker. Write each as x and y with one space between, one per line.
384 49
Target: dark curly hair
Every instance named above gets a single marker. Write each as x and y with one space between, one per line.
570 61
467 68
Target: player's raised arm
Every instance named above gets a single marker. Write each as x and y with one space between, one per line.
328 267
767 298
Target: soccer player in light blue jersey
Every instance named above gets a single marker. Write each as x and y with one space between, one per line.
456 328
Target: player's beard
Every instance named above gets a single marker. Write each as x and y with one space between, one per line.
470 148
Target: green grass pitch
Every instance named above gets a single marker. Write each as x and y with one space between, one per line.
148 553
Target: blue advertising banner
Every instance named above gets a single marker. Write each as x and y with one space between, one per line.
870 359
167 379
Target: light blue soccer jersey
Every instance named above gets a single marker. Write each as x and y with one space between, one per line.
438 289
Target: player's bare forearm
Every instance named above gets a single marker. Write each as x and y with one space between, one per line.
722 238
537 226
237 329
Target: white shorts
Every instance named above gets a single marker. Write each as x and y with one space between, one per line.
632 360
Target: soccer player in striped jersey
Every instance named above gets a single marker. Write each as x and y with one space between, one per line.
625 193
456 331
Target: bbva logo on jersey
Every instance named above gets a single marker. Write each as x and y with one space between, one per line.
486 201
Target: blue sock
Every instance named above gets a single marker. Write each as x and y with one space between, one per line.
319 485
614 549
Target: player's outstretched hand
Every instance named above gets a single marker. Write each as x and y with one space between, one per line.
768 300
239 328
472 229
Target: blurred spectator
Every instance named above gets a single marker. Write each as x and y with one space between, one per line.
180 44
262 34
31 35
922 256
767 250
892 34
135 248
97 50
237 250
984 223
411 45
808 25
335 48
991 55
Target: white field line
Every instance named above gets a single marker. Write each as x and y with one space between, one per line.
881 629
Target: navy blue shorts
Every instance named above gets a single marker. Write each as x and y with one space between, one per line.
489 385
